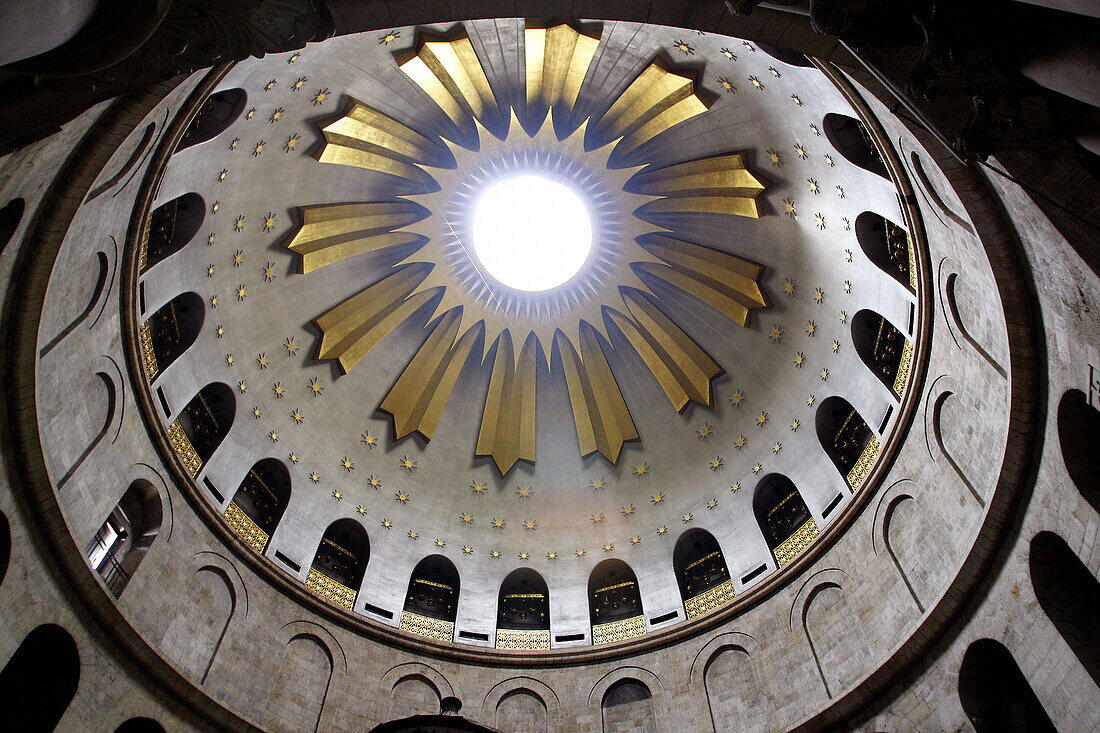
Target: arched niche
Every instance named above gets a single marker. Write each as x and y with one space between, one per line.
521 710
431 603
259 502
219 111
1069 595
1078 436
614 602
5 546
883 349
995 694
10 216
787 56
39 681
203 424
171 225
888 247
850 138
701 572
783 517
170 331
125 537
847 439
628 706
140 725
341 559
523 611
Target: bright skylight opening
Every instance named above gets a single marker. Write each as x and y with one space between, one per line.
531 232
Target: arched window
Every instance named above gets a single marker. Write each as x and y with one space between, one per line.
203 425
787 56
628 705
995 694
783 517
219 111
341 559
170 332
1069 595
140 725
614 603
701 572
171 226
259 503
1078 436
129 531
887 245
883 348
39 681
431 604
847 440
10 216
523 611
851 139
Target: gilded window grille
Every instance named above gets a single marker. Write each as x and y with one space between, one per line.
249 531
430 628
710 599
790 548
627 628
904 367
143 253
523 639
148 355
181 444
330 589
862 467
912 264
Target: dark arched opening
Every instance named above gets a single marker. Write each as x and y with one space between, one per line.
614 602
701 572
171 226
787 56
995 694
848 441
171 331
883 349
126 535
5 546
10 216
39 681
887 245
140 725
783 517
1069 595
259 502
203 425
219 111
341 560
431 604
851 139
523 611
1078 436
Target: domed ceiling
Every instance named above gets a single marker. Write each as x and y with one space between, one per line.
371 352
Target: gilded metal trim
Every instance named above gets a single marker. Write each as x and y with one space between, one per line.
143 253
710 599
905 366
523 639
249 531
181 444
791 547
329 589
867 459
912 263
431 628
145 337
609 633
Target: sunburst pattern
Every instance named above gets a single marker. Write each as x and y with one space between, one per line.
634 244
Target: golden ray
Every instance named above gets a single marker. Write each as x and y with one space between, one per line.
451 73
600 414
682 368
334 232
354 327
417 398
508 421
470 307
